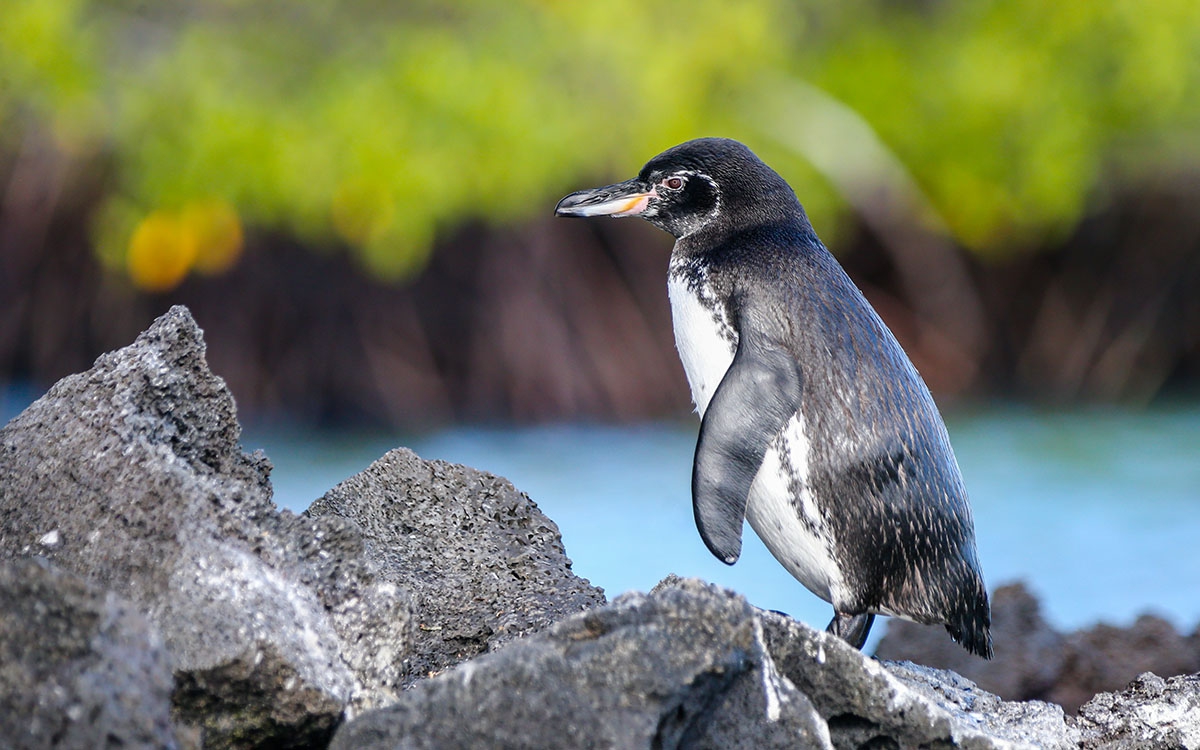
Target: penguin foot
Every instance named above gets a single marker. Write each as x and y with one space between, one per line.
852 629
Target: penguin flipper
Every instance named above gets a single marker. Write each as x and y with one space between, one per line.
758 395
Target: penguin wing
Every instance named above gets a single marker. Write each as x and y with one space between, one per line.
759 393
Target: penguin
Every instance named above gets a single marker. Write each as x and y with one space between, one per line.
814 424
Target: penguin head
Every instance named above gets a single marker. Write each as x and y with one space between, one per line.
707 182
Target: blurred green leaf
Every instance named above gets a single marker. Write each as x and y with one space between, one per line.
375 123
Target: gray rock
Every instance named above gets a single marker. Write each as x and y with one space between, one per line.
484 565
682 667
131 475
763 709
691 665
899 704
110 464
1150 714
79 667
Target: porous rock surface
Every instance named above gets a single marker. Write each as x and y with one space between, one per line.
645 671
77 665
1105 657
693 665
869 703
1150 714
458 540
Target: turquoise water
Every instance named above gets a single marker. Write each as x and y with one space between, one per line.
1098 511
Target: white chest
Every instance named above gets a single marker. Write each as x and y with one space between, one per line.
704 338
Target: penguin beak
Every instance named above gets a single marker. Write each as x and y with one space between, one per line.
623 199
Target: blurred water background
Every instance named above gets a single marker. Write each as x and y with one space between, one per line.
1097 510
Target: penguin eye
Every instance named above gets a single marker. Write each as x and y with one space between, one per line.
674 182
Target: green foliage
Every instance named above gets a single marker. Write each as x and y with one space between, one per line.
1012 115
381 123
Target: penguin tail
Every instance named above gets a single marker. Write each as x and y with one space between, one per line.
977 640
971 628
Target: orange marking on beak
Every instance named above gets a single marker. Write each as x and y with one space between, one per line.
635 205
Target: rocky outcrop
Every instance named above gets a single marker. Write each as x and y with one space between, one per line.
1034 661
869 703
1150 714
131 475
693 665
454 537
79 667
151 595
645 671
275 626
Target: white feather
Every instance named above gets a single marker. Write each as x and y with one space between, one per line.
703 338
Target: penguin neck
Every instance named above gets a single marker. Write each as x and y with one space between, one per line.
715 240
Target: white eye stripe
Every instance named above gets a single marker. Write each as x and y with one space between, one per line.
684 174
691 173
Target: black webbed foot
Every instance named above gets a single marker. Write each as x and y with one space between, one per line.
852 629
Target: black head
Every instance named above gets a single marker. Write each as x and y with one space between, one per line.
708 182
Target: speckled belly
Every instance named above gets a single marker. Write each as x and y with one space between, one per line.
784 514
